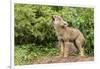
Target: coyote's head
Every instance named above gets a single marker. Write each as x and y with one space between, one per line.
57 20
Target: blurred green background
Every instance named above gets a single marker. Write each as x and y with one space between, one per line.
34 33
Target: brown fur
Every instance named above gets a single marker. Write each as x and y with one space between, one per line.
66 35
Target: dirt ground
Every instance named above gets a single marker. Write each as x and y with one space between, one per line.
57 59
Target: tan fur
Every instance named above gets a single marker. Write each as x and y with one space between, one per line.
66 35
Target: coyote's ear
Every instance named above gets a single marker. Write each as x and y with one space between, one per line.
62 25
65 23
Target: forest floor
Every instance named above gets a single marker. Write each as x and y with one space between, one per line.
58 59
23 56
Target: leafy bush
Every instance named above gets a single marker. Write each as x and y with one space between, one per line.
28 53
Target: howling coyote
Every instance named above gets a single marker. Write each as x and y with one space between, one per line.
66 35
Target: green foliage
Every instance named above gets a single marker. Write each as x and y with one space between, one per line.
28 53
33 25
